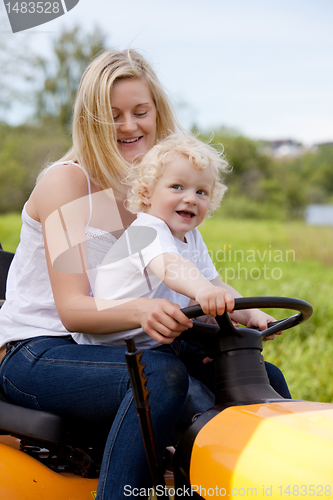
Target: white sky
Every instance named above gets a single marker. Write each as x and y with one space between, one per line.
264 67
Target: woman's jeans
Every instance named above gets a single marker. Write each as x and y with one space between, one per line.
91 383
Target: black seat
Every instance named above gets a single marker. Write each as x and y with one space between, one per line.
29 423
5 261
63 437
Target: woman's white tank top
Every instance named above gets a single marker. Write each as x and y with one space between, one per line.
29 310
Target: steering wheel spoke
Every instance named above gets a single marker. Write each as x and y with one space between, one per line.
241 377
225 328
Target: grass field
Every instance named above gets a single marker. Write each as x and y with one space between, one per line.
10 226
284 259
271 258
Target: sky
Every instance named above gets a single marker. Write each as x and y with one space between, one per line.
262 67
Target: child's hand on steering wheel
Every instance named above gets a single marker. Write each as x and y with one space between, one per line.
215 300
261 320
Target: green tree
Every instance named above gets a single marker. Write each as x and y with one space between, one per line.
322 170
23 152
49 86
259 185
16 81
60 74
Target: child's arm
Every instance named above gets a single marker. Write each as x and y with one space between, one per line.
182 276
247 317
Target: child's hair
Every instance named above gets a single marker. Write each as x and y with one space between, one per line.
94 134
143 177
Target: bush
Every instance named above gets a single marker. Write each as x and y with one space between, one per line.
23 152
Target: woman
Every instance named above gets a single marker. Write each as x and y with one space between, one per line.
72 218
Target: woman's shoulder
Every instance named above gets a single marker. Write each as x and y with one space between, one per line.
60 184
62 171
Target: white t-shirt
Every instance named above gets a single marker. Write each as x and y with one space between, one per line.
124 274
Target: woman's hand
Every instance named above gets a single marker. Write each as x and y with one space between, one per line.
163 320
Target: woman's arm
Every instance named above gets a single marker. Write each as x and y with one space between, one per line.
63 190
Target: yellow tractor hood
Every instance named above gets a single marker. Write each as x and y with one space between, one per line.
276 450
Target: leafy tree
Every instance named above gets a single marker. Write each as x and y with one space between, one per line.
50 85
72 52
23 152
322 169
16 74
263 187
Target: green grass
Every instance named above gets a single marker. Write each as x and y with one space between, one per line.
284 259
10 226
271 258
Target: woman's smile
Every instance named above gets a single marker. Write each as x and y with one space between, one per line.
134 114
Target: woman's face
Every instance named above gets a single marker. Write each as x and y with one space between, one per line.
134 114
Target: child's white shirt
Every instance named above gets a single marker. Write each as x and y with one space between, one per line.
124 274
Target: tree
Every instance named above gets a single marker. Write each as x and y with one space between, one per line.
43 88
60 74
24 150
16 75
49 87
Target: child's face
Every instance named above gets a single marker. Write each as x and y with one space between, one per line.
181 196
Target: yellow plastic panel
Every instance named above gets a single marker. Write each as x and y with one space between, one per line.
24 478
277 450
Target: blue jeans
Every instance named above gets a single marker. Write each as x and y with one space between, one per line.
90 382
201 392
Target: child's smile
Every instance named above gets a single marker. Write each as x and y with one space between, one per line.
185 214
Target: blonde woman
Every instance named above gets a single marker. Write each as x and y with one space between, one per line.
71 220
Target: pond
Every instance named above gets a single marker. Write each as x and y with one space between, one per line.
319 215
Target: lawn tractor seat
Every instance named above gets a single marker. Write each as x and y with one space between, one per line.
5 261
72 445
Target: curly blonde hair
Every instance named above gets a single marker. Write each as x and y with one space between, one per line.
143 176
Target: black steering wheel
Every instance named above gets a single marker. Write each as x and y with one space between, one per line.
304 308
209 337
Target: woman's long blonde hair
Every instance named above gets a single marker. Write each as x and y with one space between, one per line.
94 134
